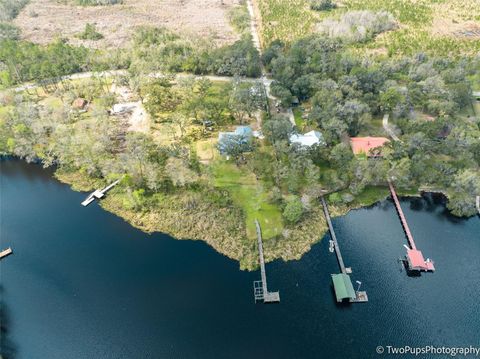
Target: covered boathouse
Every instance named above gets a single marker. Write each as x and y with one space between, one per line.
416 261
343 287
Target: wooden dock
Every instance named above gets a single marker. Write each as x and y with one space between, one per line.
414 258
260 289
362 297
98 194
343 269
6 252
405 226
342 283
478 204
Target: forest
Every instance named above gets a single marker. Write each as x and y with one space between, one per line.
428 98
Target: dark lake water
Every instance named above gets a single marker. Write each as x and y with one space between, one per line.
82 283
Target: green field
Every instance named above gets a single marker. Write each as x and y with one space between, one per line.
431 26
250 195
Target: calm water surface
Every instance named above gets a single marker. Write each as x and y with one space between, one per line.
82 283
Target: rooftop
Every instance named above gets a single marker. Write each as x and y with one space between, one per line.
242 134
365 145
417 261
308 139
241 131
343 287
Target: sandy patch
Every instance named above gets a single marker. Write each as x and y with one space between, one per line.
136 116
44 20
450 27
138 120
456 18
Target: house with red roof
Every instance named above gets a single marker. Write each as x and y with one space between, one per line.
369 146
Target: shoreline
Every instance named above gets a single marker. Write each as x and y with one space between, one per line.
231 242
228 241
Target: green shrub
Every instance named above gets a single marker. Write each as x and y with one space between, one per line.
9 9
335 198
25 61
158 49
239 18
358 25
8 32
90 33
98 2
293 211
322 5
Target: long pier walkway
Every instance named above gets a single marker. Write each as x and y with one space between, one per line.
342 282
414 256
260 289
478 204
334 236
405 226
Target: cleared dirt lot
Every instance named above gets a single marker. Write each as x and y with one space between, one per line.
44 20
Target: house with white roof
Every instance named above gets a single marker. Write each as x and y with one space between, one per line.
308 139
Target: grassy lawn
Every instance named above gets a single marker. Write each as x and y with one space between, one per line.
476 106
4 110
371 195
297 113
250 195
52 102
206 150
368 197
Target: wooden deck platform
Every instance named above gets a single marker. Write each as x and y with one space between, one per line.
98 194
6 252
260 290
362 297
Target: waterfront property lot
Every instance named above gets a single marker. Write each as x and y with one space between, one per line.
251 195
